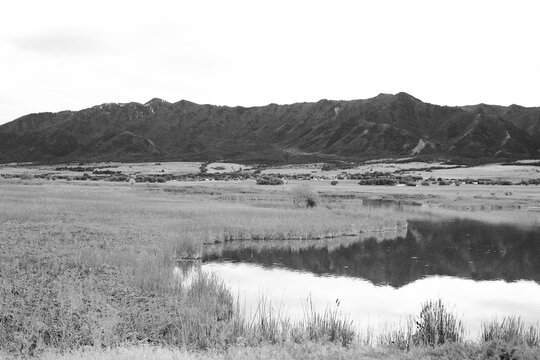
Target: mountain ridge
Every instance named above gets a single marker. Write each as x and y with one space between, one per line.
386 125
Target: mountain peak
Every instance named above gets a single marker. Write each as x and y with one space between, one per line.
404 95
384 126
383 96
156 101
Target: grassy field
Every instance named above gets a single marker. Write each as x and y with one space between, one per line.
90 265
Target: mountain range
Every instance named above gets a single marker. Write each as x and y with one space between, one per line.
384 126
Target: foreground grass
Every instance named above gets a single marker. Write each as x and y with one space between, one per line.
91 267
308 350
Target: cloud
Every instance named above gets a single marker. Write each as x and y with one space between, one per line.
60 44
68 54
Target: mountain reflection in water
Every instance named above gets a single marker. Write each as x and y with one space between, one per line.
453 247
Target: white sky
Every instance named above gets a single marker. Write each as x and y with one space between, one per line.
57 55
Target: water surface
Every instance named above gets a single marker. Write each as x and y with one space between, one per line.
482 269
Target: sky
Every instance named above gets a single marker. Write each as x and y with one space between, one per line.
68 55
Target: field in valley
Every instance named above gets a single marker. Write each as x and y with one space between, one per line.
87 265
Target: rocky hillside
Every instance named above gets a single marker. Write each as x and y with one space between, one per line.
383 126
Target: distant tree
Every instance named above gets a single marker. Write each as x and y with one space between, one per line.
26 176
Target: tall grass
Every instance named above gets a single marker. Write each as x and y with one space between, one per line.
330 244
266 324
331 325
269 324
399 335
512 330
437 325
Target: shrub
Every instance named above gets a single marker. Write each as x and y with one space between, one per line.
269 180
378 181
305 196
334 182
26 176
203 169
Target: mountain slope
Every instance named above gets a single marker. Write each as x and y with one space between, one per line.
386 125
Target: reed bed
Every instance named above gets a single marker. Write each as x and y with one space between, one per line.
331 244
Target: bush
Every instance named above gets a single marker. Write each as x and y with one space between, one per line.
304 196
26 176
203 169
269 180
334 182
378 181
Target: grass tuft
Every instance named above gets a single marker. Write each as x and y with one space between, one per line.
512 330
436 325
304 196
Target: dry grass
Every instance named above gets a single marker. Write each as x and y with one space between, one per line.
435 325
511 330
306 350
93 265
330 244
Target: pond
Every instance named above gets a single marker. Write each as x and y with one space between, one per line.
482 269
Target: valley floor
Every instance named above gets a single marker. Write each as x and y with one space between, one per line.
88 265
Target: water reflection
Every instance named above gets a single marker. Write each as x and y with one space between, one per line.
378 307
484 268
449 247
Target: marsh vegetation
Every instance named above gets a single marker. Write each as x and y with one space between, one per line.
91 266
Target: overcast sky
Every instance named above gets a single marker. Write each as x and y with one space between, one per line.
58 55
